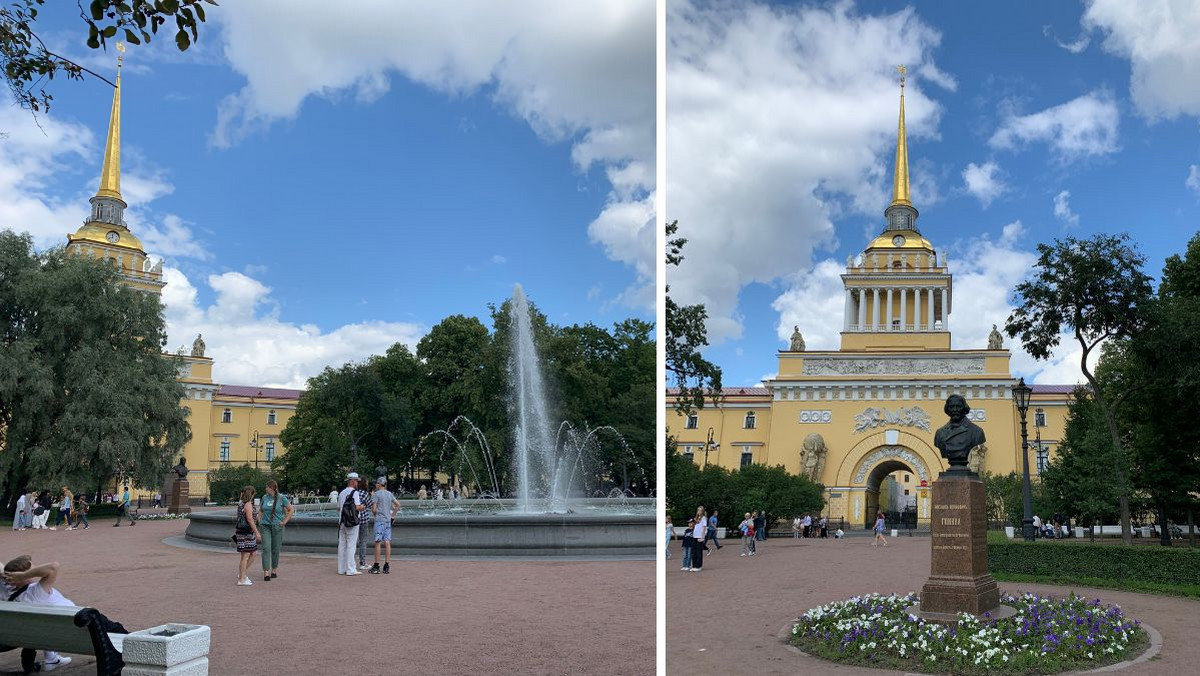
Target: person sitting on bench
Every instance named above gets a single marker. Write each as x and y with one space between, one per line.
25 583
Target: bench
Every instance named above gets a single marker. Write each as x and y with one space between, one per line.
169 649
65 629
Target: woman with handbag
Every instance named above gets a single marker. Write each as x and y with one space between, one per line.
246 535
276 511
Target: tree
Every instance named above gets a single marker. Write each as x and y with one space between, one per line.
1079 478
1096 290
1162 370
225 484
343 420
85 393
694 376
28 64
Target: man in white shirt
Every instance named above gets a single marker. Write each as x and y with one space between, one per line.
348 535
25 583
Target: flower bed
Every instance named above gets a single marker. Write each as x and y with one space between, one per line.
160 517
1046 636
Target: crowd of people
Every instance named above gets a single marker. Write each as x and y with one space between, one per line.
702 529
262 526
34 508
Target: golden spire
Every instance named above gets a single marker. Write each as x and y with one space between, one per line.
110 172
900 185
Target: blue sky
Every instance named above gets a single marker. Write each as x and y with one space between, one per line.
320 191
1058 119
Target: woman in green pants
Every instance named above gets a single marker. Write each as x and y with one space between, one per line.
273 514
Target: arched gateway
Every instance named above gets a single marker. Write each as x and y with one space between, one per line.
853 493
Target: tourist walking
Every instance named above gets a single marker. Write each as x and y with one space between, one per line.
806 525
124 510
670 532
796 523
385 505
81 512
349 505
688 541
246 535
824 527
712 532
879 530
747 529
760 526
274 513
41 510
20 517
64 509
699 530
364 517
1037 526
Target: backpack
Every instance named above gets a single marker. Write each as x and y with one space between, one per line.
349 515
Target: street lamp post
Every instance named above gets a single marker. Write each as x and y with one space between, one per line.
709 445
1021 393
254 445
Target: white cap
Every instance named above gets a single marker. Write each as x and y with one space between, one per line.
352 475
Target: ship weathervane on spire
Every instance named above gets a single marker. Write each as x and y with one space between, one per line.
900 191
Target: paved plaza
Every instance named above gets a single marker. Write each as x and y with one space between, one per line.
465 617
727 619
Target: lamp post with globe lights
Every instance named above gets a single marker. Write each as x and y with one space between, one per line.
1021 393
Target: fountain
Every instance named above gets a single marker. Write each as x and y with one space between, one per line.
548 513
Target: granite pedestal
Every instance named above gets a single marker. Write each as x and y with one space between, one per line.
959 580
179 498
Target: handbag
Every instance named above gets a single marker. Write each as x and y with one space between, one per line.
242 527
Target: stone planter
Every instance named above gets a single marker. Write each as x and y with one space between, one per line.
1010 531
1080 532
168 649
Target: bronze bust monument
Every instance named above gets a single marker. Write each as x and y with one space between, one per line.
181 469
956 438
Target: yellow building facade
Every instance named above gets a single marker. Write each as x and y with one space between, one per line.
231 424
850 418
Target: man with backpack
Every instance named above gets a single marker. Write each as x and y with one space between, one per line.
349 505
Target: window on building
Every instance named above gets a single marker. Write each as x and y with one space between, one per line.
691 457
1043 458
906 478
270 417
270 450
747 458
895 324
906 491
750 421
224 450
227 415
1039 419
693 421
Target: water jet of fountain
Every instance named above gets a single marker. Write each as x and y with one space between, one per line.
533 445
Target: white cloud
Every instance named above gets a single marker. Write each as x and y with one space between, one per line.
1076 46
252 345
1062 210
1159 39
779 119
984 182
499 260
577 72
31 159
1079 128
813 302
1193 179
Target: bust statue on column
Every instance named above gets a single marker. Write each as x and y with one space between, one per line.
179 489
956 438
797 340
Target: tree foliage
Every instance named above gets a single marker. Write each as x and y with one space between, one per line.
1094 289
695 377
225 483
770 490
29 65
596 378
85 393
